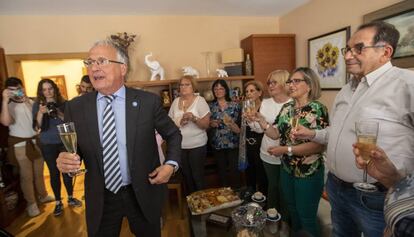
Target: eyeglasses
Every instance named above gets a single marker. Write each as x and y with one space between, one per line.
357 49
251 91
294 81
185 84
99 62
273 83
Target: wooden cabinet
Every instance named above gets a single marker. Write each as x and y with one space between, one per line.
269 52
204 84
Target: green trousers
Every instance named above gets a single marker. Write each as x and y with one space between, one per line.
302 197
274 190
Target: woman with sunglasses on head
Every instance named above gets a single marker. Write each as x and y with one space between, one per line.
224 128
47 114
191 114
255 175
302 174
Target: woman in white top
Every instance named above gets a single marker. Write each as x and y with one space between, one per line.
191 114
270 107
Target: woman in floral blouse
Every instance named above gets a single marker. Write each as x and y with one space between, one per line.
302 174
224 124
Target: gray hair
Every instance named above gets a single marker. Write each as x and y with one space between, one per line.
121 52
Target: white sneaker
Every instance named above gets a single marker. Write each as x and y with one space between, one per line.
46 199
33 210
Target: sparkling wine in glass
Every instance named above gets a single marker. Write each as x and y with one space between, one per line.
294 122
227 120
183 106
249 107
68 136
367 133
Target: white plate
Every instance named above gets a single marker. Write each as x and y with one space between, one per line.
277 218
261 200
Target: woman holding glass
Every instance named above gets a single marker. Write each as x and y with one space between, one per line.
224 125
302 174
269 109
191 114
48 113
255 174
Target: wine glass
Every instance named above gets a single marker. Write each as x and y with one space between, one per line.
249 107
367 133
227 120
294 118
183 106
68 136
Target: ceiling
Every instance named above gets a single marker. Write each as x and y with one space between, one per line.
150 7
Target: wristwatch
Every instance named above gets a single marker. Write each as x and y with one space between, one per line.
290 151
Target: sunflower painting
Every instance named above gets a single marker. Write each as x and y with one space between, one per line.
325 59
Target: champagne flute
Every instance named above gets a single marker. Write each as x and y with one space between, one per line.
294 118
68 136
227 120
183 106
249 107
367 133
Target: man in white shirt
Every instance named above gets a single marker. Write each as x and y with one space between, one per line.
378 92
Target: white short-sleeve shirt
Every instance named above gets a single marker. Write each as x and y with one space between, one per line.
193 136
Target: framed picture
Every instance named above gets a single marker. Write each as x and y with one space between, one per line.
59 80
324 57
401 15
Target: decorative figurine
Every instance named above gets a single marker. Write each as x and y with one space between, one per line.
156 70
221 73
190 71
165 95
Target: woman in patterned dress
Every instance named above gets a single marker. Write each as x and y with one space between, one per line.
302 174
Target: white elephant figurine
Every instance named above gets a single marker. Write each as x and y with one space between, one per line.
155 68
221 73
190 71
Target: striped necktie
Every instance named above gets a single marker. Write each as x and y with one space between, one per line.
112 169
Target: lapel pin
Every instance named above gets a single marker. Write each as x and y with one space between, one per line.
134 104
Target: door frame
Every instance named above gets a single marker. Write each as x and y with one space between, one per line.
14 61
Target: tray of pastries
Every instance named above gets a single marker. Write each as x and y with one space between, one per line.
209 200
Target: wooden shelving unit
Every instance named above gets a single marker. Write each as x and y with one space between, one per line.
203 84
146 84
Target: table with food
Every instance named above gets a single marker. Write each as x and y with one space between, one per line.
227 212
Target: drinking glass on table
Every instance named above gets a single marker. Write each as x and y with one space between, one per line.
367 133
68 136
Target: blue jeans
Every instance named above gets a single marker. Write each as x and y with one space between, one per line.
354 211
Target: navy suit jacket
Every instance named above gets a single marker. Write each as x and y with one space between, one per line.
144 114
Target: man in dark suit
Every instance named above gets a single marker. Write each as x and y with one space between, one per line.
133 185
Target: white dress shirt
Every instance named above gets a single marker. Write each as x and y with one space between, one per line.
389 100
